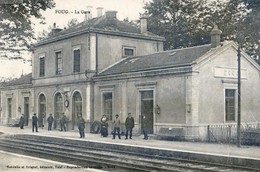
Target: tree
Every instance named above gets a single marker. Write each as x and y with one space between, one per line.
16 23
72 23
187 23
170 18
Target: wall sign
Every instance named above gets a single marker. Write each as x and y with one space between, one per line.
226 72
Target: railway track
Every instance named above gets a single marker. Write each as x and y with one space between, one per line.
105 158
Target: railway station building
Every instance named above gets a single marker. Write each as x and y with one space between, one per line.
106 66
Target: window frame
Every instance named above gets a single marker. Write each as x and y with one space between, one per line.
230 111
76 66
42 69
124 48
57 65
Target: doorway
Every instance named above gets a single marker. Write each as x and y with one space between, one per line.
26 110
147 104
77 109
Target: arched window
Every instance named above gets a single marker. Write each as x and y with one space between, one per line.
77 107
58 107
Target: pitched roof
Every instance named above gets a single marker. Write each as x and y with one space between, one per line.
171 58
98 24
26 79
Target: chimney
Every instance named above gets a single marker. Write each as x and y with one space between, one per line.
55 29
99 11
111 19
143 23
88 15
215 36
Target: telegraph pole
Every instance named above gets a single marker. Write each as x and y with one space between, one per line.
239 98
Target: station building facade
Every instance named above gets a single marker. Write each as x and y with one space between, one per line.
106 66
64 62
188 88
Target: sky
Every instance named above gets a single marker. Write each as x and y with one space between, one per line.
124 8
65 10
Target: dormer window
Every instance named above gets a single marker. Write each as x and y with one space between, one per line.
128 51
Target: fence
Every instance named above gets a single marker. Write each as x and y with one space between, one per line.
227 133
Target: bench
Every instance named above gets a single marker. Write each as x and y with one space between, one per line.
171 134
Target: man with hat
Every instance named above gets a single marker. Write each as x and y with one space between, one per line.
116 123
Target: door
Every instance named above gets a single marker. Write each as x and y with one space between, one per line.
77 109
26 111
147 103
9 104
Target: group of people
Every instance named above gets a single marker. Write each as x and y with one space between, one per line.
50 120
129 125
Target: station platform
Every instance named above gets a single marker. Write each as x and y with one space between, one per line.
226 152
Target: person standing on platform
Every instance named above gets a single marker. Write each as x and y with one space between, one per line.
50 121
34 122
116 123
63 121
145 125
129 125
81 126
21 123
104 126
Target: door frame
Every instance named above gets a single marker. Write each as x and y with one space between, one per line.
145 87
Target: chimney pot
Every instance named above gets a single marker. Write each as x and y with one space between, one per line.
111 19
99 11
88 15
143 23
215 36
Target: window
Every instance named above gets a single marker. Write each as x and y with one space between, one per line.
128 51
58 62
76 54
42 66
230 104
107 97
58 105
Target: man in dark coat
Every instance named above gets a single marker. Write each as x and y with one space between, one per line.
50 121
129 125
34 122
21 123
81 126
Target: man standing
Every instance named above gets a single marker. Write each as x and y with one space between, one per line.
50 121
129 125
34 122
63 121
116 123
81 126
21 123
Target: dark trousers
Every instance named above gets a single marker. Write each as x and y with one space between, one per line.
104 131
81 133
34 125
49 126
128 130
62 126
145 133
116 130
